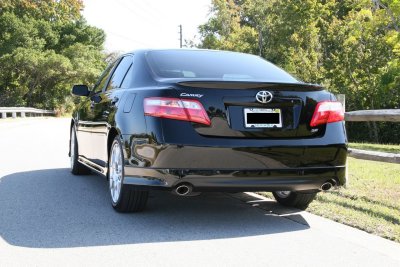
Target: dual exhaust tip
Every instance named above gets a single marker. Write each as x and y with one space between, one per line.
187 189
183 190
328 185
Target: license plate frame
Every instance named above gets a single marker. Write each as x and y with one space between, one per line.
253 125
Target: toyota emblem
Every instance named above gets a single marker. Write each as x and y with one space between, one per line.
264 97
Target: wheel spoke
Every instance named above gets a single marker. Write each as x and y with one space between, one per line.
118 187
116 172
72 149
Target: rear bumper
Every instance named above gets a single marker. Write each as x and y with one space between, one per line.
292 179
223 164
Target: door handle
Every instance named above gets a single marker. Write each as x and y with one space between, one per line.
114 100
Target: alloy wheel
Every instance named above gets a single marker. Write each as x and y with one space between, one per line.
115 172
72 149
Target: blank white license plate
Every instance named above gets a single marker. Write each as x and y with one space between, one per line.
263 118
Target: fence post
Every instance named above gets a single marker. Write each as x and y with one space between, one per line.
4 115
342 99
14 115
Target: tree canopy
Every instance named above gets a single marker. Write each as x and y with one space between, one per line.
349 46
45 47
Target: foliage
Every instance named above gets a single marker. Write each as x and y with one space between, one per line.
350 46
49 10
45 47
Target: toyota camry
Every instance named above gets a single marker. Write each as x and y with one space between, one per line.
190 121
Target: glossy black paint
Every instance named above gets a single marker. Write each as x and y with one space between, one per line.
226 156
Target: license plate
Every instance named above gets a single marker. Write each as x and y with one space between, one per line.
262 118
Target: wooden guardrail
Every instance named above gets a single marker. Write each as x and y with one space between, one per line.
14 111
392 115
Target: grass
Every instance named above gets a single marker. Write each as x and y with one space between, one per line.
376 147
371 201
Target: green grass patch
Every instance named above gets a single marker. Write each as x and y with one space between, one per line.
371 201
376 147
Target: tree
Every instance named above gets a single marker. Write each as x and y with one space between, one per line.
45 47
35 78
49 10
224 30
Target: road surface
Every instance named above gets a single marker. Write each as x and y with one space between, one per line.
49 217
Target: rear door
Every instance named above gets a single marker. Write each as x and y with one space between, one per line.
106 109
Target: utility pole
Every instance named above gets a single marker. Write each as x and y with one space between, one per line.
180 35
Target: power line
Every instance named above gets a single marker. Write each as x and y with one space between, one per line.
149 8
148 19
129 39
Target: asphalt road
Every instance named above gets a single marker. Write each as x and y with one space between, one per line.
49 217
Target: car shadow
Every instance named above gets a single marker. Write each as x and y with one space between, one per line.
55 209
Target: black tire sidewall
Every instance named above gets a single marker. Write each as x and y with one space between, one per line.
285 200
296 199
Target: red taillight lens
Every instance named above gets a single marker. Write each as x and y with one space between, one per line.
177 109
326 112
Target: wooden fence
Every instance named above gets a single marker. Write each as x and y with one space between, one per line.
390 115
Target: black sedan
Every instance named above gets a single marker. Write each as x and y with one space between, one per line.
190 121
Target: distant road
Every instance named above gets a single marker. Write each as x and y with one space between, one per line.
49 217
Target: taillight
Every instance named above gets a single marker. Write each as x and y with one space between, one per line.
176 108
326 112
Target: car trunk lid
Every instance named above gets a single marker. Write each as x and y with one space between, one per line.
235 112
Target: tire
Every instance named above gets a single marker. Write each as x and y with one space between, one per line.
294 199
124 198
77 168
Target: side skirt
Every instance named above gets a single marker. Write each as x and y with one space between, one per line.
93 166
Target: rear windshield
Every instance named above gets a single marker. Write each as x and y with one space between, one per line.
215 65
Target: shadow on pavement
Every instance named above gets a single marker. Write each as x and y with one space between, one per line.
54 209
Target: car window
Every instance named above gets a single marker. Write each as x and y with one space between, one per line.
127 82
98 87
215 65
119 73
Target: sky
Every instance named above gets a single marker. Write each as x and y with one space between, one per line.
133 24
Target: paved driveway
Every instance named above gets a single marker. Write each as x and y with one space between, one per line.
50 217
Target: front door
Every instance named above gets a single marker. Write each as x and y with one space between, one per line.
86 118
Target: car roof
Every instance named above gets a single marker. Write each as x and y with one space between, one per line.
143 51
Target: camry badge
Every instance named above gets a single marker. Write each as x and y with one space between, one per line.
264 97
192 95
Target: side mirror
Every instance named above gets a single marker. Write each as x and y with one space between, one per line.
80 90
96 98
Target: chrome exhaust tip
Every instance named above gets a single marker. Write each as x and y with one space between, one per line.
183 190
328 185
